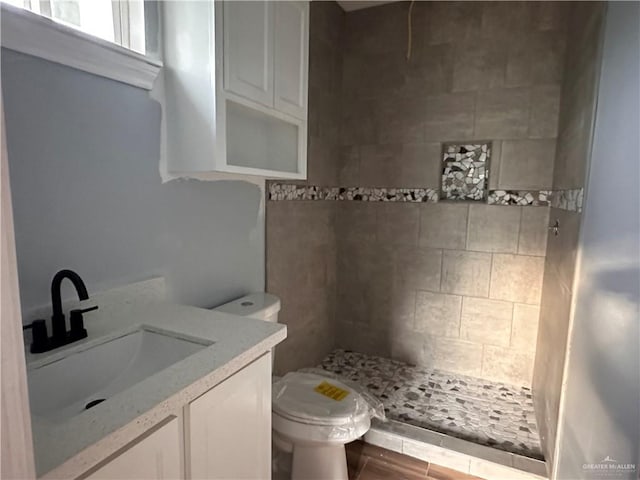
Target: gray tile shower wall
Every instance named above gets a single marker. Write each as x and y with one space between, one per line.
450 286
574 138
301 248
301 259
407 277
478 71
454 286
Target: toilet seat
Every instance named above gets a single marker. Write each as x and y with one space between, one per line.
302 413
305 433
297 398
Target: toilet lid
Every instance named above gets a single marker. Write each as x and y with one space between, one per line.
313 399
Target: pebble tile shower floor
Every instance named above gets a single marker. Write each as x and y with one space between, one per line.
488 413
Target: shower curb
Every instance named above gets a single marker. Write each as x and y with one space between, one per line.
454 453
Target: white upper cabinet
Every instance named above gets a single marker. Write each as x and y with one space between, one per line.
236 77
291 57
248 50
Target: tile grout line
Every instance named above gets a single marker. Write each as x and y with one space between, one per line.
415 310
442 253
466 236
520 220
491 277
513 313
452 294
460 317
418 243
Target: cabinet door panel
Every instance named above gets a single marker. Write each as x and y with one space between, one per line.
248 50
230 426
155 457
292 57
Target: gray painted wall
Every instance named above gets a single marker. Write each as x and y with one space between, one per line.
601 414
87 193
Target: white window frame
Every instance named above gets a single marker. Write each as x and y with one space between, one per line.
32 34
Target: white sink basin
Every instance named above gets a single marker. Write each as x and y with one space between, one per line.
63 388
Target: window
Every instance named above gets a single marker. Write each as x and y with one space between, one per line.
120 22
116 39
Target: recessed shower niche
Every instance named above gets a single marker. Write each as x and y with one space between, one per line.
465 171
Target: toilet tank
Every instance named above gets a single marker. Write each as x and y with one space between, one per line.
262 306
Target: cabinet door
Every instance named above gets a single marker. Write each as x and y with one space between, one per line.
156 456
248 50
291 57
230 427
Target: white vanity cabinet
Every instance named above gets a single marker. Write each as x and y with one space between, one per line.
156 456
236 87
223 434
230 427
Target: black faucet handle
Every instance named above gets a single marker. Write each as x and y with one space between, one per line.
83 310
40 338
76 323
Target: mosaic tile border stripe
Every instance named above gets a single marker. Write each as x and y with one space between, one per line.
284 191
522 198
570 200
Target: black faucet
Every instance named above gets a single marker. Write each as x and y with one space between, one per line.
59 334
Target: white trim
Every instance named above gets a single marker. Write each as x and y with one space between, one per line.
32 34
260 172
16 444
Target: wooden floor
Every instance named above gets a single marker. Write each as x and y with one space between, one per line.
367 462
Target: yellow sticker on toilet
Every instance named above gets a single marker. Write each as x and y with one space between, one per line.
331 391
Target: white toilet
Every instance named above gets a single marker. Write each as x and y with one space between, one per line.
313 426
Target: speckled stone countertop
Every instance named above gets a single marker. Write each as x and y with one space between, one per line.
69 448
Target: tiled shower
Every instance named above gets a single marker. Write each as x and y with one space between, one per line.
378 268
